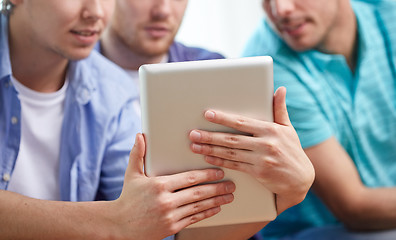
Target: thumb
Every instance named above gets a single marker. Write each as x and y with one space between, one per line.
136 156
280 111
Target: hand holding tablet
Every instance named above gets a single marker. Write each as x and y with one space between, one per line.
272 153
174 97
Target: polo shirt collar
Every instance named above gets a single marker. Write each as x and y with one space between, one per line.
364 44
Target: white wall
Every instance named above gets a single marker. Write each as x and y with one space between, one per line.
220 25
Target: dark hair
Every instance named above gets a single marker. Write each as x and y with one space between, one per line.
6 7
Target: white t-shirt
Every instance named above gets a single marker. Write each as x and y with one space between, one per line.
36 171
135 78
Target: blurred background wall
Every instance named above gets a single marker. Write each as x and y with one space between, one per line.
220 25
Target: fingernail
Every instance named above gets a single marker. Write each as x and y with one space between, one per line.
230 187
210 115
229 198
219 174
195 135
196 147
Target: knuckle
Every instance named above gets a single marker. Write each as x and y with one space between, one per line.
208 137
240 122
197 193
165 204
273 150
192 178
173 229
209 212
194 219
218 161
262 144
169 220
272 130
234 165
196 208
231 153
208 149
159 186
270 163
232 141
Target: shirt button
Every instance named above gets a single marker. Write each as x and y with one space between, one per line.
6 177
14 120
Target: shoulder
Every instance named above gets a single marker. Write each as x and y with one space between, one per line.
108 84
378 15
383 9
264 41
178 52
375 3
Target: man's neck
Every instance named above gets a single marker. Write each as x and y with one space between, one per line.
118 52
34 67
343 38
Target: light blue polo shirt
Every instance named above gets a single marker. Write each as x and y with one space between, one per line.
325 98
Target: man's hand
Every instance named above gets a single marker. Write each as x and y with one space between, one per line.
154 208
272 154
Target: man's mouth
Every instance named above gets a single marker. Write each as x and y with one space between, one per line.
85 33
292 29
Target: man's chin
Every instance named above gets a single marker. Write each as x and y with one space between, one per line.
78 56
300 46
154 51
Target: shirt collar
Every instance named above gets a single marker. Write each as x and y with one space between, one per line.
82 77
364 16
5 66
366 21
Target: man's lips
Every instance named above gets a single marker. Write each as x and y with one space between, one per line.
86 36
157 31
293 29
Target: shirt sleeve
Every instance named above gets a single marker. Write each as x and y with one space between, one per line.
170 238
304 110
116 157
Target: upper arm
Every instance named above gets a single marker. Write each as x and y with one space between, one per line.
337 180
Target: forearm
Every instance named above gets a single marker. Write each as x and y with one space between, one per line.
229 232
339 184
26 218
372 209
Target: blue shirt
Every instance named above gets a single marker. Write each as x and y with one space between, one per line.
181 53
178 52
98 129
325 98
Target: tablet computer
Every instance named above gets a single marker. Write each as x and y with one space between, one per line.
174 97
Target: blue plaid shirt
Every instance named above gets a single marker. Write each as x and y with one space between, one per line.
325 98
98 129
